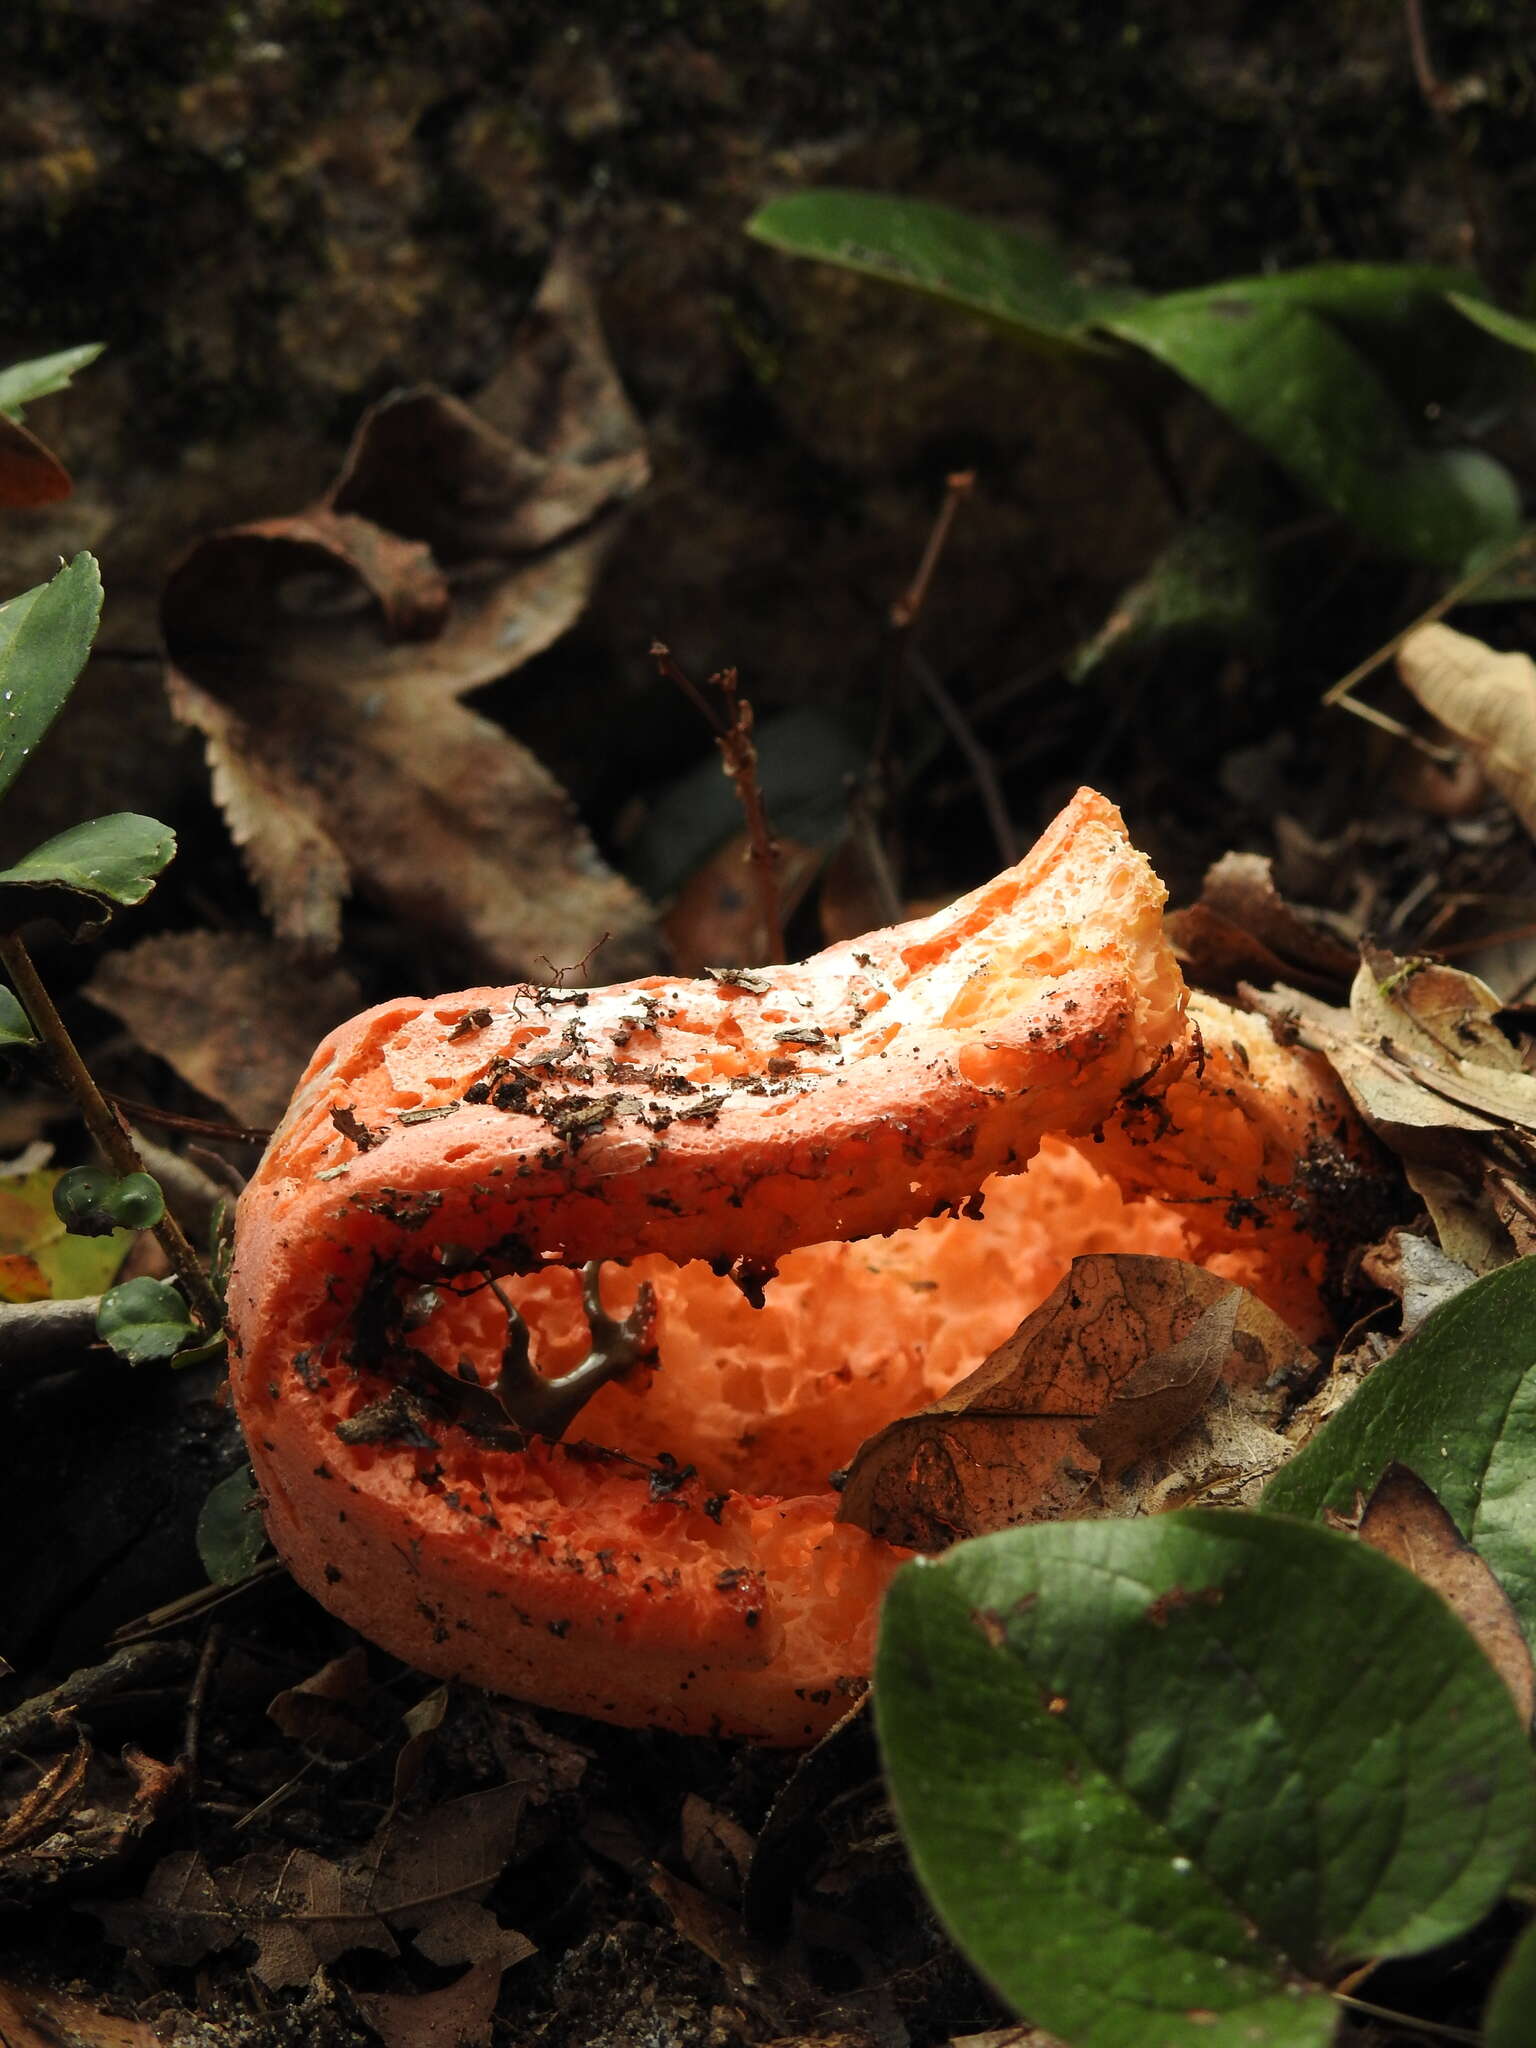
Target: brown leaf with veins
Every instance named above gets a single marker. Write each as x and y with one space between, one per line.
1405 1521
1117 1361
323 658
302 1910
236 1016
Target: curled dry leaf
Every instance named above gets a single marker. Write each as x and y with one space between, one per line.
237 1016
1430 1071
1404 1520
323 658
1487 699
1242 929
1121 1357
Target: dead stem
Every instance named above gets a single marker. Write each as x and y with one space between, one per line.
733 736
547 1407
904 612
1339 692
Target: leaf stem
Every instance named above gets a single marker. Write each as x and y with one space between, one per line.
114 1143
1438 2030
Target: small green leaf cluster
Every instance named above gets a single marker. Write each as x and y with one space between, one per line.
77 879
1167 1780
1349 376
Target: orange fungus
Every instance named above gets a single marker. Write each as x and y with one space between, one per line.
821 1194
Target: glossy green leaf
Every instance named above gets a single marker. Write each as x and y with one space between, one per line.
91 1202
230 1536
15 1025
1510 2020
1507 327
1287 377
1025 283
1163 1778
23 382
144 1320
82 876
1209 582
39 1259
1456 1404
45 636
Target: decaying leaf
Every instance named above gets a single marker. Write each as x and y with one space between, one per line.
1404 1520
77 1820
1420 1273
1487 699
237 1016
458 2015
1432 1074
326 1713
324 657
1119 1359
39 1259
302 1910
1242 929
717 916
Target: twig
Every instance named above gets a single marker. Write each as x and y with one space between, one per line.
111 1137
33 1333
978 759
199 1126
1436 2029
127 1670
1458 592
733 736
1441 102
904 612
197 1701
904 616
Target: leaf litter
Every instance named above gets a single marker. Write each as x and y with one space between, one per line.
324 658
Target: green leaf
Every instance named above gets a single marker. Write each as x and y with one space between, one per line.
1291 381
15 1025
230 1536
1016 279
1507 2022
39 1259
1456 1404
82 876
92 1202
1209 581
45 636
144 1320
23 382
1509 327
1161 1778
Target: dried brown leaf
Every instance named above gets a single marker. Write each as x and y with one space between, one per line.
302 1910
1117 1361
326 1712
237 1016
1242 929
316 657
1405 1521
1487 699
717 916
459 2014
30 474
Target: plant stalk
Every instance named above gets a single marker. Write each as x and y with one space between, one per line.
113 1142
